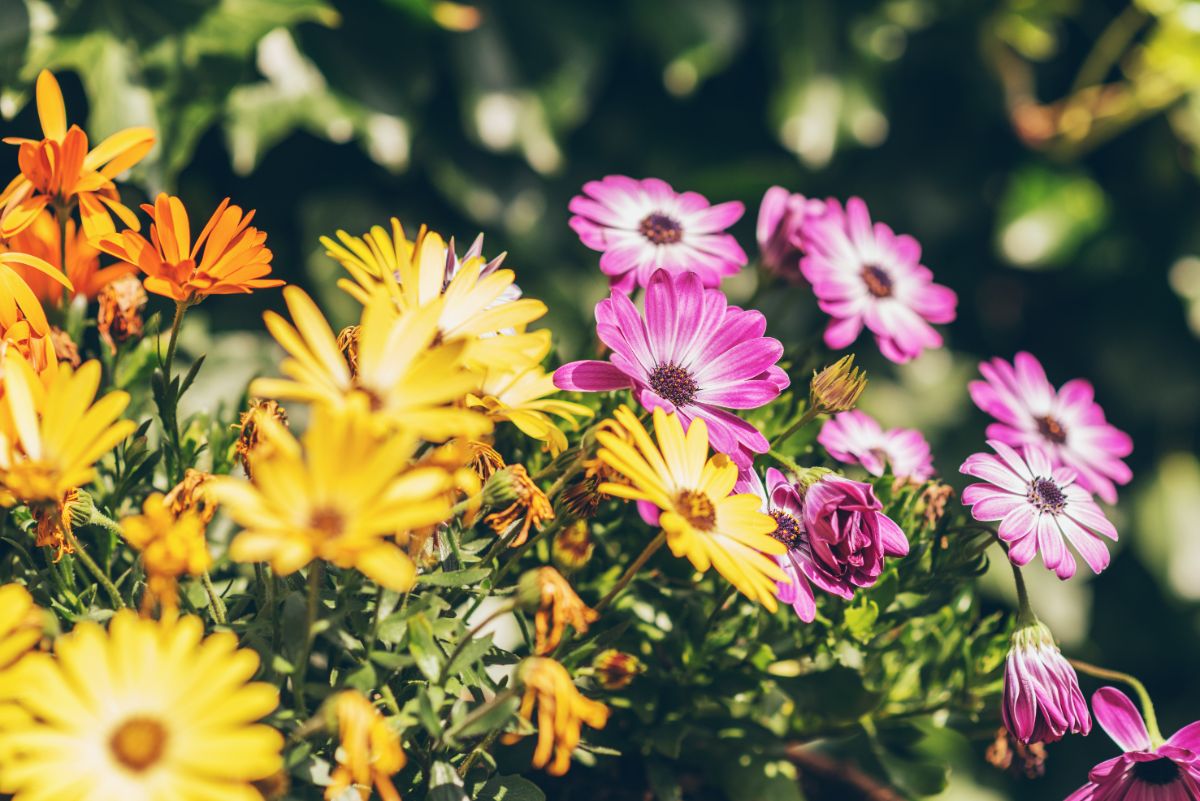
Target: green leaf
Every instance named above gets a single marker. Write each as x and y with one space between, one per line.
424 648
471 653
860 620
455 578
510 788
364 679
444 783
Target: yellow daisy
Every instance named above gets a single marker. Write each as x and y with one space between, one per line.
369 751
701 520
406 379
171 545
147 711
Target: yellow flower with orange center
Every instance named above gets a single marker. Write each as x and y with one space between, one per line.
43 239
171 546
562 712
556 606
369 751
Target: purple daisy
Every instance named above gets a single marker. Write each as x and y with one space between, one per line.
690 353
856 438
1067 423
644 226
1042 699
1038 507
864 274
781 217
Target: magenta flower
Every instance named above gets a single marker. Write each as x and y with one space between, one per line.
864 274
692 353
856 438
781 217
1042 700
1146 771
848 532
1067 423
1037 506
643 226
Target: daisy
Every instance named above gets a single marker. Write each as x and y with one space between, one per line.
521 398
644 226
864 274
690 353
856 438
1038 506
147 711
699 517
1068 424
781 217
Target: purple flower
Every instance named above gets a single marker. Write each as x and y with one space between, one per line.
1042 700
781 217
1038 507
1147 771
848 532
864 274
691 353
642 226
856 438
1067 423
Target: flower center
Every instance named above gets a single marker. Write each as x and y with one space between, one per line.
1157 772
878 282
327 521
1052 430
787 528
1046 496
138 743
674 383
697 509
660 229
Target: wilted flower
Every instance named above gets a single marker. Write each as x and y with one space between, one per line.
250 440
572 547
615 670
189 495
369 751
1008 753
856 438
545 592
1042 700
530 507
561 714
485 460
171 546
781 218
64 347
119 316
837 387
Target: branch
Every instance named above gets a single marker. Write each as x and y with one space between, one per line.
841 775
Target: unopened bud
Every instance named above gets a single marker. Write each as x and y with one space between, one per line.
615 670
503 487
572 548
837 387
80 507
809 476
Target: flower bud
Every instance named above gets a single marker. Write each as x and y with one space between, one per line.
572 548
119 317
837 387
1042 700
848 533
79 506
615 670
503 487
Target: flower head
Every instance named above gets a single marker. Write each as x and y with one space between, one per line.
562 711
191 495
692 354
837 387
864 274
573 545
1066 423
171 546
848 532
544 591
699 516
148 710
369 750
616 670
1042 700
781 218
644 226
856 438
1040 508
1147 770
250 438
528 507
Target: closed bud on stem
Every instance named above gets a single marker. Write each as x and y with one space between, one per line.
1042 700
615 670
80 507
572 548
837 387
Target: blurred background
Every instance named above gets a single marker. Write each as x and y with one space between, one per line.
1044 152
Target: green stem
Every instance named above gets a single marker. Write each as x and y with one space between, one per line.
1109 46
1025 613
316 572
632 570
479 712
809 415
785 461
215 605
478 751
373 639
1156 737
95 570
180 308
500 611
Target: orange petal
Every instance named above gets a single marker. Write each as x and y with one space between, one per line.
51 110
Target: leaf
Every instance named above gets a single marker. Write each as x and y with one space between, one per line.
471 653
510 788
424 648
837 692
455 578
860 620
445 784
364 679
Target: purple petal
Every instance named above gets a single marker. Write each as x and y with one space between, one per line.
591 376
1117 715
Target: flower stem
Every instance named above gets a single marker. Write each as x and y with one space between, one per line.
785 461
215 605
180 308
809 415
478 750
632 570
316 571
95 570
479 712
1024 609
1156 737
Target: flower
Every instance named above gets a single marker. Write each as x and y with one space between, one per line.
171 546
190 495
20 629
235 258
407 379
1068 424
250 438
59 169
700 519
529 507
573 545
1042 700
148 710
119 316
544 591
519 396
561 714
692 354
644 226
615 670
17 300
369 751
781 217
1147 771
44 240
856 438
343 495
837 387
864 274
1037 507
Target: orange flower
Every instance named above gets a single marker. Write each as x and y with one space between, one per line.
17 300
369 751
59 169
545 592
562 711
43 240
235 255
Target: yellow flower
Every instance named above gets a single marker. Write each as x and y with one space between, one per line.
17 300
191 495
345 496
369 752
520 397
544 591
171 546
701 520
406 379
530 507
147 711
483 308
562 711
20 629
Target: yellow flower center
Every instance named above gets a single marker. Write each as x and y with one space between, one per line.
138 743
697 509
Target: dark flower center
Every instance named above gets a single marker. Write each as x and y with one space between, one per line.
327 521
138 743
697 509
674 383
878 282
787 528
660 229
1157 772
1046 496
1052 430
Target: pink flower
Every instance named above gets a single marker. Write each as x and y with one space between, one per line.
1146 771
847 531
856 438
1067 423
643 226
1042 700
691 353
864 274
1037 506
781 217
